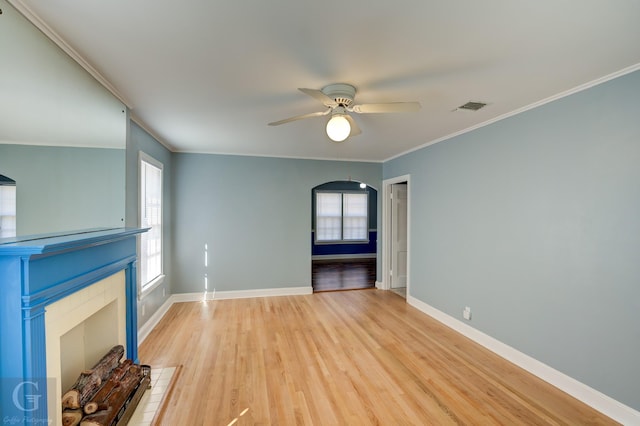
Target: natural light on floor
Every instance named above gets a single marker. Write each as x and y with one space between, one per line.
236 419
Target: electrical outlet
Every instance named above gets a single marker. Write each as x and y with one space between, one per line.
143 306
164 291
466 313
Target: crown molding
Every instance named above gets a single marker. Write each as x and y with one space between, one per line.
32 17
577 89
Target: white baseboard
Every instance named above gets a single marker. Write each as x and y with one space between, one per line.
599 401
151 323
241 294
380 285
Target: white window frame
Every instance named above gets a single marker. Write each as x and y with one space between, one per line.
145 288
8 210
342 240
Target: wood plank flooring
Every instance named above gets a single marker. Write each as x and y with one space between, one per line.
341 358
348 274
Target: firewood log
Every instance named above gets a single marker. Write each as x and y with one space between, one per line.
100 418
113 381
89 381
116 399
71 417
86 385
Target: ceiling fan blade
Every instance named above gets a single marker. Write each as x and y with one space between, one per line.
319 95
355 130
388 107
300 117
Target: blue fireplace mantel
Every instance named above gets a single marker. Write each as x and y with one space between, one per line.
37 271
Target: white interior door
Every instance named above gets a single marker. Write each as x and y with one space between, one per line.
398 235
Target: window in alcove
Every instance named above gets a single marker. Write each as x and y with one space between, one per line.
342 216
7 207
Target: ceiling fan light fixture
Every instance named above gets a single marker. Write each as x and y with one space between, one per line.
338 128
338 101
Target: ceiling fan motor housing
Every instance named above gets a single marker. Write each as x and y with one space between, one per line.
342 93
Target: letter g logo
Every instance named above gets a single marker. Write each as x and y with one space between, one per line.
30 398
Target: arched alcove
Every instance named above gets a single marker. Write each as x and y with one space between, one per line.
344 235
7 207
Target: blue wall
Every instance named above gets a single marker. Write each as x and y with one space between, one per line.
51 104
346 250
254 216
139 140
534 223
64 188
46 97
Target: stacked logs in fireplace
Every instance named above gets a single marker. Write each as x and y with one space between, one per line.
107 394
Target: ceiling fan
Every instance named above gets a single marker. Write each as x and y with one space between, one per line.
338 100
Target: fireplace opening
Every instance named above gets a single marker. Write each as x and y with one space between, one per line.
84 345
107 393
80 329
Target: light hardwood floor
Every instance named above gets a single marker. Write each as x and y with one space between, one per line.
360 357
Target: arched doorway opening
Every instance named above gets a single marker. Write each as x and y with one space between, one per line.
343 236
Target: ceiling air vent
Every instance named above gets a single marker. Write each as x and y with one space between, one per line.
472 106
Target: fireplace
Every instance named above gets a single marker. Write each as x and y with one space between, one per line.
80 329
63 300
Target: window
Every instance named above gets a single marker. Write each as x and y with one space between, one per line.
150 269
342 216
7 207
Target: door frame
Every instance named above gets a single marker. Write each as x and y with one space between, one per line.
387 227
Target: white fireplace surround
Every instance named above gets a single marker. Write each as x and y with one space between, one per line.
80 329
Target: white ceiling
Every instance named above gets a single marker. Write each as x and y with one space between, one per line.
207 76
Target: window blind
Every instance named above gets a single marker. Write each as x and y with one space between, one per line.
341 216
354 217
329 216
